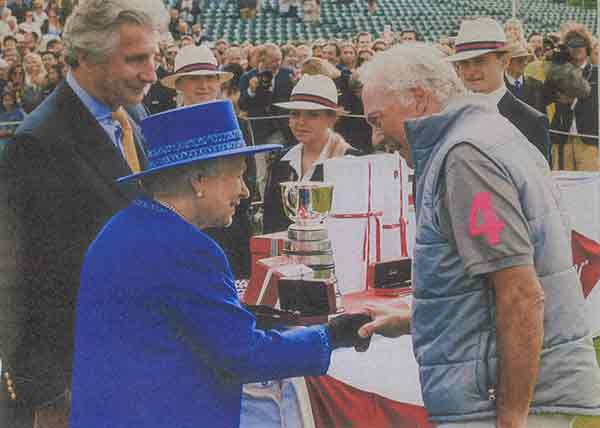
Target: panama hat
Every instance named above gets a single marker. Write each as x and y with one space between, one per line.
477 37
195 61
193 133
518 50
313 92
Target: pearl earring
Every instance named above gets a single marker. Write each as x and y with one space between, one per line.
200 194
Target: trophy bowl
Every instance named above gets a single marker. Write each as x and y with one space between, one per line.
306 203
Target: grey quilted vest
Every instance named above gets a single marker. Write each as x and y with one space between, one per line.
454 333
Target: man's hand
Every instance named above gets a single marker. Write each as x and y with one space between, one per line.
387 321
520 330
253 84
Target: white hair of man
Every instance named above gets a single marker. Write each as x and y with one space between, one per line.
92 28
407 66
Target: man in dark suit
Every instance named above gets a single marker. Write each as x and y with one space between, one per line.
59 175
527 89
260 89
160 98
482 55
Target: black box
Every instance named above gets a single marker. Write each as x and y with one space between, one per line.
309 297
392 274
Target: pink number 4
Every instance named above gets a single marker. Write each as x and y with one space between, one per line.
491 227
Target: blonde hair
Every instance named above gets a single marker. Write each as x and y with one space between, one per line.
314 66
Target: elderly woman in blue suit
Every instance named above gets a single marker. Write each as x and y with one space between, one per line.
161 337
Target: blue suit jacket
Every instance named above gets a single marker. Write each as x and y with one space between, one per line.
161 338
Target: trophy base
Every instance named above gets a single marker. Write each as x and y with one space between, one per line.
320 261
301 234
307 247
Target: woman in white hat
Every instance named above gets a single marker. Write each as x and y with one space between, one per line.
197 77
313 110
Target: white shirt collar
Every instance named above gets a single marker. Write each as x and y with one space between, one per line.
294 157
512 80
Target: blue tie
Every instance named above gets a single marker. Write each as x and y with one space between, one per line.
518 85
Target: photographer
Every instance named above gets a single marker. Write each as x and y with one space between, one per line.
260 89
571 82
354 129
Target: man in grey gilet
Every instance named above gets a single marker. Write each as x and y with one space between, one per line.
498 318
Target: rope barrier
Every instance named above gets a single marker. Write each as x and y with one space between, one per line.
287 116
572 134
357 116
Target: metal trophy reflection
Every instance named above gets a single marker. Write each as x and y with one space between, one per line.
307 204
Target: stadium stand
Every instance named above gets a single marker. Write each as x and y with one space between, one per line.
430 18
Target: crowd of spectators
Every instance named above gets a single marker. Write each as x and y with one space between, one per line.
267 73
32 65
32 62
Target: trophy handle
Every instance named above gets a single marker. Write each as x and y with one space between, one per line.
290 206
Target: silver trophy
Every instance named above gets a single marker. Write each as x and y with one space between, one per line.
307 204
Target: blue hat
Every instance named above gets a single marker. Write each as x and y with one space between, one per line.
193 133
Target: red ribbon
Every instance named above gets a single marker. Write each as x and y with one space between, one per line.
403 249
402 227
368 215
401 222
367 235
198 66
314 99
471 46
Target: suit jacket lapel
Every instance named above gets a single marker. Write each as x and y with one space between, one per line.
95 146
504 104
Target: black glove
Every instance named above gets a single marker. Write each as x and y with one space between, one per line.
343 331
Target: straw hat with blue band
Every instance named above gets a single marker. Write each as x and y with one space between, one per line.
478 37
191 134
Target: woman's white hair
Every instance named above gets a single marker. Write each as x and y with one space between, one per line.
412 65
92 28
176 181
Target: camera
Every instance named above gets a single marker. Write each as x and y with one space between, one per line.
560 54
564 79
265 80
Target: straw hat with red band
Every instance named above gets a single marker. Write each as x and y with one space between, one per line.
195 61
477 37
313 92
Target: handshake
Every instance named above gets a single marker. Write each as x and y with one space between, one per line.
349 330
343 331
